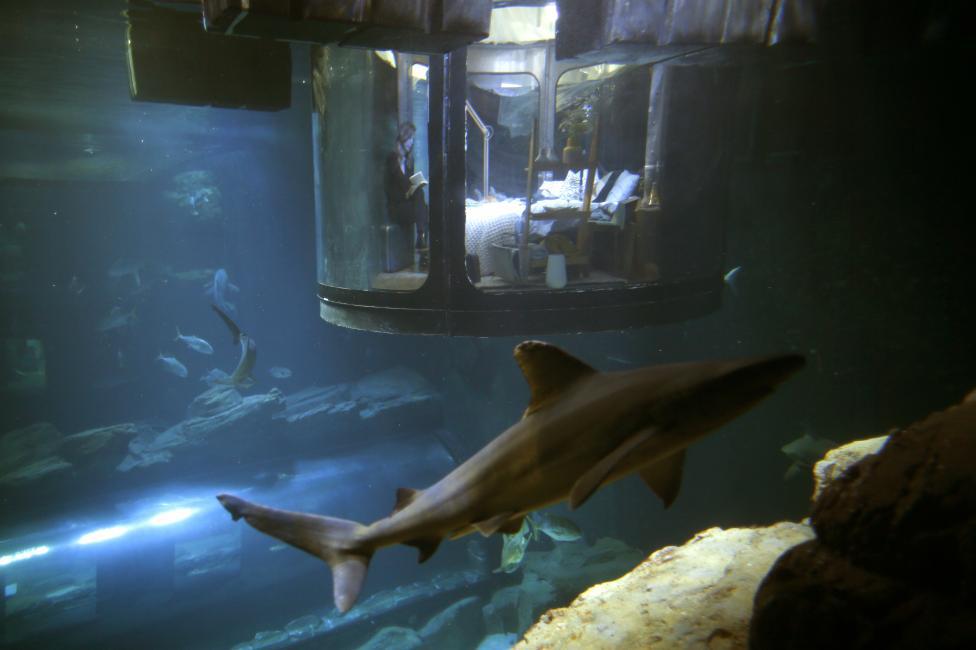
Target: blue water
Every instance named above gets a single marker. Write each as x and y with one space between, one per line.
850 253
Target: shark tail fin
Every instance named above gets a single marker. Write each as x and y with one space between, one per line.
178 333
333 540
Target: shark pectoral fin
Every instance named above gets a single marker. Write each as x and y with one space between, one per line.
506 523
404 497
426 545
594 477
664 476
548 370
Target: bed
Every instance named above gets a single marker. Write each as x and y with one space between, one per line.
496 223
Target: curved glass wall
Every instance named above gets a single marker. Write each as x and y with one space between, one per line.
501 120
610 189
371 168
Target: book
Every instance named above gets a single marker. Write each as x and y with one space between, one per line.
416 181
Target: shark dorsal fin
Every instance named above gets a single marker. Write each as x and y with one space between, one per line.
548 370
664 476
404 497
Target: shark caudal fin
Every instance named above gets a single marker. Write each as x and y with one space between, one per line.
329 538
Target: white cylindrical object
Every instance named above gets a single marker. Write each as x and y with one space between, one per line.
556 271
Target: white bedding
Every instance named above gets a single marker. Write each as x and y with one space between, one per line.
493 222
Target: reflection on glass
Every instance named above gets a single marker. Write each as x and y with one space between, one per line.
370 130
575 204
501 112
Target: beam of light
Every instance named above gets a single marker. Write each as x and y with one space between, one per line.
103 534
26 554
172 516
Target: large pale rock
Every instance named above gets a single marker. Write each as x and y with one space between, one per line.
910 511
893 563
695 596
839 460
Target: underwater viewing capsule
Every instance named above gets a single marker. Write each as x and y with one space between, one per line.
485 168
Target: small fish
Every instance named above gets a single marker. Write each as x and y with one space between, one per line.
194 342
117 319
513 549
730 279
171 365
805 452
217 290
559 529
279 372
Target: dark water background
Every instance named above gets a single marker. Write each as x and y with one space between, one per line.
849 221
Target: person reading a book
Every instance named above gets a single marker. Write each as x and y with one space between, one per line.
405 201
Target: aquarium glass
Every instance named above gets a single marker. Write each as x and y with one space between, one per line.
172 201
371 168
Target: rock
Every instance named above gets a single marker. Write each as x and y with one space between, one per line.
304 627
845 606
694 596
28 445
43 468
214 400
315 400
556 575
498 642
110 441
390 384
269 638
390 389
839 460
894 562
232 419
245 416
910 511
515 607
393 638
451 628
571 567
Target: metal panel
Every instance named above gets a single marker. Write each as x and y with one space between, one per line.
427 26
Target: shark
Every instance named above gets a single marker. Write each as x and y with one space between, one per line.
583 429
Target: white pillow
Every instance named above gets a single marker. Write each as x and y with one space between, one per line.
572 186
551 189
624 188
